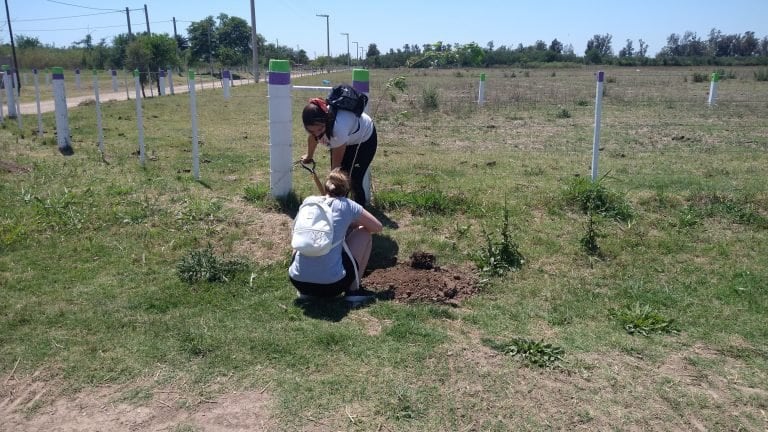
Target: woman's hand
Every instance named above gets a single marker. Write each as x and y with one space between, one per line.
306 159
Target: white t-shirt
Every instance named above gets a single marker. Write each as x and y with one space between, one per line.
350 129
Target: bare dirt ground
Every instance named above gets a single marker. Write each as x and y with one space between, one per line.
420 280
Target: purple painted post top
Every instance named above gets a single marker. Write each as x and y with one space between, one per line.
600 76
279 72
77 71
114 72
225 74
360 80
57 73
34 71
162 73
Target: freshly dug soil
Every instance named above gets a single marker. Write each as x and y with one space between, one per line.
420 280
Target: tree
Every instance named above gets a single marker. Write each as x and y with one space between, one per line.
23 42
150 53
556 46
234 35
601 44
643 49
628 50
470 55
202 41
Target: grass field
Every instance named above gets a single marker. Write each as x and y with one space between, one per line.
656 323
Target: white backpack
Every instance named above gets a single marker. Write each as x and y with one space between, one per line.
313 227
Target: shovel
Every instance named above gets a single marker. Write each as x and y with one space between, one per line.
310 166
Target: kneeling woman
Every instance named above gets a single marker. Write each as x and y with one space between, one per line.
334 273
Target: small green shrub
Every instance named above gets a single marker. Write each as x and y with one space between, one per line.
595 198
642 319
203 265
589 242
499 257
563 113
256 193
610 80
582 102
533 353
761 74
430 99
700 77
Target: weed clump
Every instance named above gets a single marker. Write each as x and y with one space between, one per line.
642 319
532 353
499 257
594 198
204 265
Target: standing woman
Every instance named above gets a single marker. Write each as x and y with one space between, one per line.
351 139
341 269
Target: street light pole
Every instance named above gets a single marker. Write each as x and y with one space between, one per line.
327 37
356 50
349 59
254 40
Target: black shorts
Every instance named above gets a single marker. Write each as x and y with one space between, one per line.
332 289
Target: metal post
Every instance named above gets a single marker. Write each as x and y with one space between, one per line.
598 114
349 59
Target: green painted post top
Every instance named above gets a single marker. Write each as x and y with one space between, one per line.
360 75
6 67
191 74
715 77
482 77
95 72
279 65
136 73
57 70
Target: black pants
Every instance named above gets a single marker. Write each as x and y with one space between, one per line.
365 153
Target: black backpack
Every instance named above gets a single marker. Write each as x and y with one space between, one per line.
344 97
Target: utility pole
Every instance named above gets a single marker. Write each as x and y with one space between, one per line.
128 17
254 40
327 38
357 56
13 49
146 17
349 59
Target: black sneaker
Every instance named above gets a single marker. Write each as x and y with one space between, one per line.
359 296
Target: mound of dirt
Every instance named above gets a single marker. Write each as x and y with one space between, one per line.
420 280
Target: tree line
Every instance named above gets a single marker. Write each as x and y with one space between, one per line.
225 42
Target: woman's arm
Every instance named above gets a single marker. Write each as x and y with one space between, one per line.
337 155
311 146
369 222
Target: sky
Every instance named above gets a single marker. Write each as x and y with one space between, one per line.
391 24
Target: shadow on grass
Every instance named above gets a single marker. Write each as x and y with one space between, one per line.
383 253
335 309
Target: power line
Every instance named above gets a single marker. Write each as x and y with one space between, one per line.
64 17
80 6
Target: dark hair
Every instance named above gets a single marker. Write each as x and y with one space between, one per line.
313 113
337 183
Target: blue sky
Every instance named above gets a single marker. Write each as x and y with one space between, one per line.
392 23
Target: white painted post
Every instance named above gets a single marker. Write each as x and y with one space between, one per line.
100 131
226 76
162 82
193 113
481 91
77 79
47 76
62 119
361 82
114 81
24 78
598 114
10 95
713 89
280 127
170 79
125 80
37 103
139 117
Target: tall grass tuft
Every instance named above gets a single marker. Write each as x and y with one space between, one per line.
595 198
202 265
499 257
